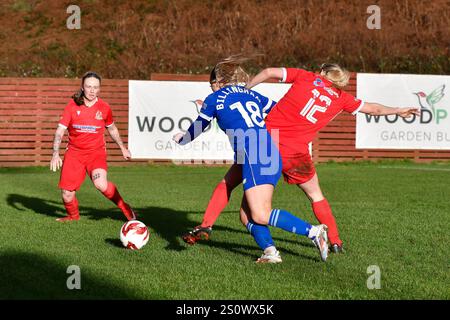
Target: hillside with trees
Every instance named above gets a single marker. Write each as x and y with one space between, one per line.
132 39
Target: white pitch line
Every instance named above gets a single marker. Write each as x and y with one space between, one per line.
416 168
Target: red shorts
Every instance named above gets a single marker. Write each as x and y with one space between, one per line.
77 164
298 167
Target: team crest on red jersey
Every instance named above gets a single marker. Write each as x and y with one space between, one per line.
319 83
99 115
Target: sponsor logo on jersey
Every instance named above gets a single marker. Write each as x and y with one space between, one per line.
86 128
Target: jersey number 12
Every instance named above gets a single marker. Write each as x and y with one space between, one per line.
311 107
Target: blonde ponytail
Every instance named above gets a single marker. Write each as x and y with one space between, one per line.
230 72
334 73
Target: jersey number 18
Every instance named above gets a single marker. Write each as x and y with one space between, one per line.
252 108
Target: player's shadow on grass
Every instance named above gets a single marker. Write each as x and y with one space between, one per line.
169 224
38 205
244 231
56 209
32 276
243 250
218 227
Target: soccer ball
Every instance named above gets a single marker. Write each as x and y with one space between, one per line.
134 235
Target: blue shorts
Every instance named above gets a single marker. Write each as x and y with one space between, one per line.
263 166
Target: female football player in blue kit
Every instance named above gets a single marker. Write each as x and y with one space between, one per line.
240 114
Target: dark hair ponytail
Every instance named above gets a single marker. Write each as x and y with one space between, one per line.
212 76
78 96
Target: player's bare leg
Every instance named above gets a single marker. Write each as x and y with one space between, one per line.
259 199
264 238
244 212
109 190
71 204
322 211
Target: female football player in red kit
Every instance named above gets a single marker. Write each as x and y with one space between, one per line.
85 117
310 104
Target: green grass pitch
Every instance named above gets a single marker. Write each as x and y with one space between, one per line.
395 215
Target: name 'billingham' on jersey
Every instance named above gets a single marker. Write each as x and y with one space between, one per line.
234 89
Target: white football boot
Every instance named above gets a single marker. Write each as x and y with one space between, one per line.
318 235
270 255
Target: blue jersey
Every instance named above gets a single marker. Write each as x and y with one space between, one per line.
240 113
236 107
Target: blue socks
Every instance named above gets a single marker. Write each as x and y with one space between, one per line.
280 219
261 234
287 221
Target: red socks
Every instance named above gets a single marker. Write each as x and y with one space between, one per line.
323 213
216 204
72 209
113 194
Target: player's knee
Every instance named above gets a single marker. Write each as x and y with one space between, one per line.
315 196
101 185
261 217
68 196
314 193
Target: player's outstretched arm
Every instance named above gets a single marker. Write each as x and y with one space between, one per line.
266 74
56 161
196 128
377 109
114 133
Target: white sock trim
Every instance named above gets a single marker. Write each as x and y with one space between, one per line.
313 232
270 250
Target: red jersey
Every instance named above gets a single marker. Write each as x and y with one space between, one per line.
86 125
309 105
